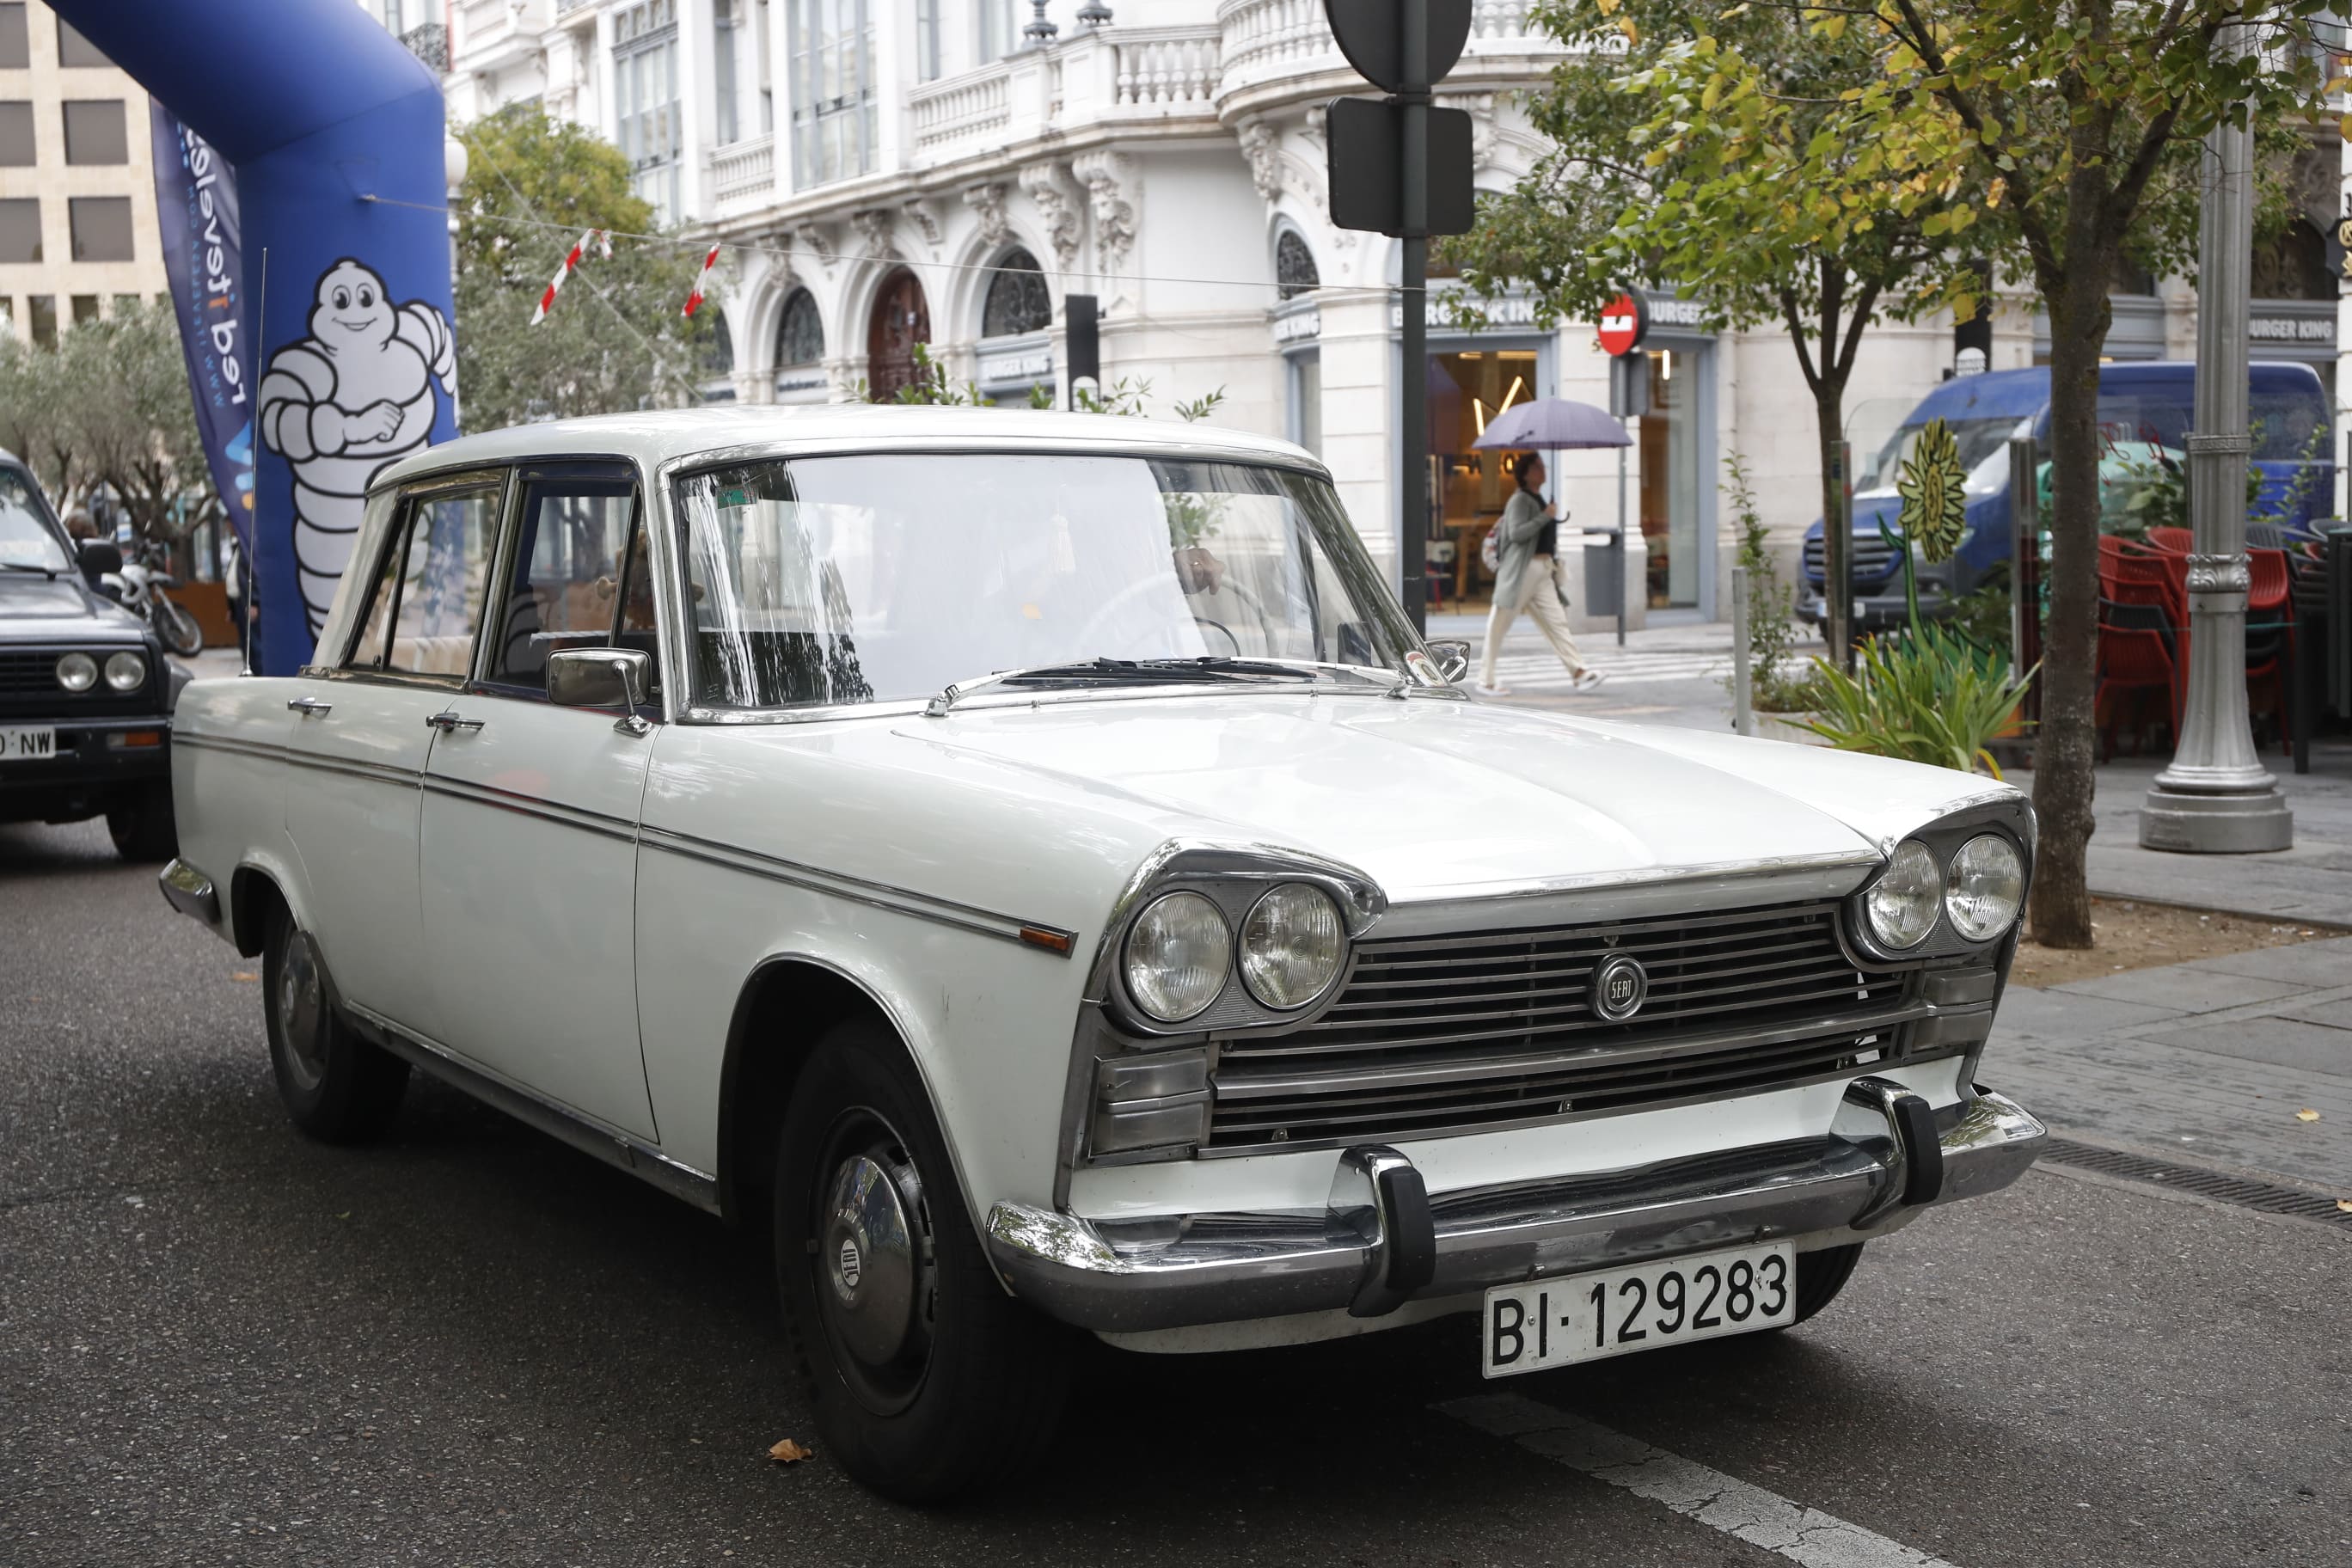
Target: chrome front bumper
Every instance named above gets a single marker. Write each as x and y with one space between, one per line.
1382 1240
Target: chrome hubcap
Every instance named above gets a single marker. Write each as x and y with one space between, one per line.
301 1006
873 1263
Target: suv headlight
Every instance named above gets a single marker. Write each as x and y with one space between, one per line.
125 671
1292 946
1905 901
1986 883
1178 956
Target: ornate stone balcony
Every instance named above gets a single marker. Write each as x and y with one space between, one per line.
743 174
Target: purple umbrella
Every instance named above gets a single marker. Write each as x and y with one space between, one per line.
1552 424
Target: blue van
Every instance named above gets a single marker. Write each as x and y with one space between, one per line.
2143 405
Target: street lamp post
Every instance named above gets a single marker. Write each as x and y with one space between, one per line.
2216 797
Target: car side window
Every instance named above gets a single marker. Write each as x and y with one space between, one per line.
577 580
422 608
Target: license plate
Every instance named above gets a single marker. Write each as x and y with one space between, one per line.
1584 1317
22 744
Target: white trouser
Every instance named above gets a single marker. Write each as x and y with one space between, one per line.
1540 598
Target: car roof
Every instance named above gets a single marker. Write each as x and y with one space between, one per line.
2015 394
655 436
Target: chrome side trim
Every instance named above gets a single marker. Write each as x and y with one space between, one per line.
380 772
607 1142
881 895
190 892
587 821
1179 1271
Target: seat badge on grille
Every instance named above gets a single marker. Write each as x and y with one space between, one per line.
1619 986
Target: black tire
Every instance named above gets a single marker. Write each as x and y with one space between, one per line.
928 1381
1821 1275
337 1087
142 824
177 627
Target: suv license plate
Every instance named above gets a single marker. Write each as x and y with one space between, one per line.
1584 1317
22 744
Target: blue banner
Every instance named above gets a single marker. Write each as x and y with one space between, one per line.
204 259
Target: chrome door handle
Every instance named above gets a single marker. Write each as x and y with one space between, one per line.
306 706
448 719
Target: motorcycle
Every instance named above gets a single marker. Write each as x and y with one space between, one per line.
138 587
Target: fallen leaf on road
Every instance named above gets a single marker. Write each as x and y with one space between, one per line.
788 1452
2345 1204
2306 1114
243 974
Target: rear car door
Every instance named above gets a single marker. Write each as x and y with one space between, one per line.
528 869
361 732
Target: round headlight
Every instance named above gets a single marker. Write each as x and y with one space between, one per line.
76 672
1903 901
125 671
1178 956
1292 945
1987 881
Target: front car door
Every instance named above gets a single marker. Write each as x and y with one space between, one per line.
360 734
528 864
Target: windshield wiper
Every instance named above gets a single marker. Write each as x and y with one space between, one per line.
1209 668
49 571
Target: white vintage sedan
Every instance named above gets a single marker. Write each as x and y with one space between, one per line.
1030 863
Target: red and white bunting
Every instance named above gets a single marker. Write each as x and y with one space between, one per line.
571 261
700 278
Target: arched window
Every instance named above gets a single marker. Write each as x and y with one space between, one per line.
716 352
2293 264
800 336
1293 266
1017 301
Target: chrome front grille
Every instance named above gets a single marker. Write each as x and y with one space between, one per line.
1450 1034
1873 558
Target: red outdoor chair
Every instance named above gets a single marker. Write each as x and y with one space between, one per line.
2270 631
2175 540
2134 658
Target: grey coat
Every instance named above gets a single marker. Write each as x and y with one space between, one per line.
1522 522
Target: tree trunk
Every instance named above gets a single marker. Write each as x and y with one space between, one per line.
2063 777
1829 425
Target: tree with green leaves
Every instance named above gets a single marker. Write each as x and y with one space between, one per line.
108 405
2077 127
616 339
1708 149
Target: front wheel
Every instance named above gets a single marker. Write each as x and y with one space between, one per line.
142 824
1821 1275
337 1087
177 627
930 1381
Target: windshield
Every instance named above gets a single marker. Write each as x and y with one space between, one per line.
888 578
25 537
1979 440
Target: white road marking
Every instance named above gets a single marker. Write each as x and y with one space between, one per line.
1800 1533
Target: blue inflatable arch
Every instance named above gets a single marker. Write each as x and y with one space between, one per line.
335 132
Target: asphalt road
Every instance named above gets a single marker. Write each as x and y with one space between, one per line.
222 1344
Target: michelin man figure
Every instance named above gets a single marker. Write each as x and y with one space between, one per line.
343 401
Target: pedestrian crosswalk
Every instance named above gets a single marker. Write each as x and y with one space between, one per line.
1542 672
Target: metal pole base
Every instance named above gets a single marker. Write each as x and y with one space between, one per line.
2215 823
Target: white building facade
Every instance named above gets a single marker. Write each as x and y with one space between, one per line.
881 172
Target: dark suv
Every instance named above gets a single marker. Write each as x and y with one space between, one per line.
86 694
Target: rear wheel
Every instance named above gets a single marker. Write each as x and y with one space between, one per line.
141 823
929 1380
337 1087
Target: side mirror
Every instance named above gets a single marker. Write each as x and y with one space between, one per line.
1451 655
97 557
601 677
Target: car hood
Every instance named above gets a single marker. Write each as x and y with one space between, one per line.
1441 800
38 609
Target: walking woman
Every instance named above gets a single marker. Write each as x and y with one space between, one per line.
1528 539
